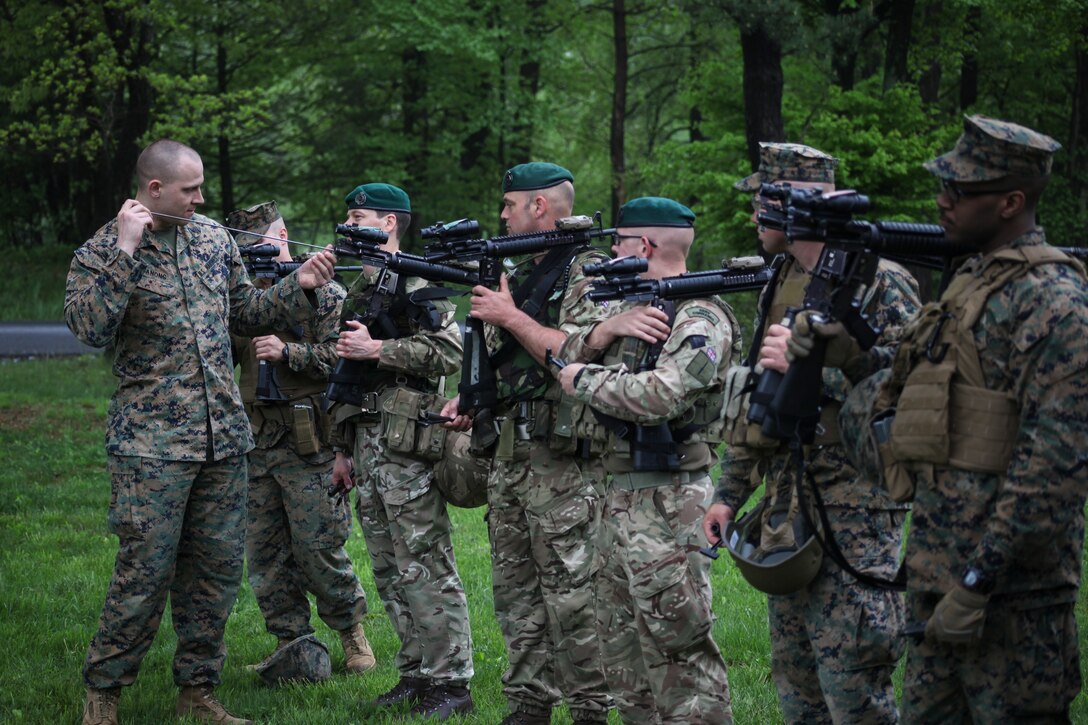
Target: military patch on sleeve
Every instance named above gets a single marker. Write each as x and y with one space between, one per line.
702 367
704 313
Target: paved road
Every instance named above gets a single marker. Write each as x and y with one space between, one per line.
39 339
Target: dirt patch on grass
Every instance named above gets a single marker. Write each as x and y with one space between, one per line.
19 417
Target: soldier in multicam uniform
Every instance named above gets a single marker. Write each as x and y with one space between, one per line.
835 641
295 532
653 595
983 421
162 292
543 516
393 450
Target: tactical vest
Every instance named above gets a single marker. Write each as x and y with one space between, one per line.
786 290
666 447
945 414
420 308
293 384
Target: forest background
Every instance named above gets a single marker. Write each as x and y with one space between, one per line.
300 101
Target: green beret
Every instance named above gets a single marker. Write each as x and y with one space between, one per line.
256 219
789 162
991 149
379 197
655 211
533 176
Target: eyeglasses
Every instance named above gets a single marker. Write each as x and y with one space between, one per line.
649 241
955 192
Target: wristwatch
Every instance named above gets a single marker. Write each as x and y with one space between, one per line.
974 580
285 354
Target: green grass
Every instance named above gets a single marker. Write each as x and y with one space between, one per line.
56 558
33 286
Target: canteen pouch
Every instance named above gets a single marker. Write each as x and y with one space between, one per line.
304 428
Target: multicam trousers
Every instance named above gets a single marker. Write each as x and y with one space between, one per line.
543 521
653 606
407 531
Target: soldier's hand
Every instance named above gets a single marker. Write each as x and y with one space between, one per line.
772 353
342 472
318 269
494 306
459 421
717 516
567 377
268 347
132 219
959 618
645 323
841 346
357 344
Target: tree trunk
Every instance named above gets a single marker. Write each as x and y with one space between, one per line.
619 106
1078 125
929 83
969 67
414 125
226 171
762 89
900 21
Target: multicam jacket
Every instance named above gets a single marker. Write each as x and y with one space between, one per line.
166 313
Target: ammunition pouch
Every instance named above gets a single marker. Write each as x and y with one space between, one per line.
305 434
485 433
405 428
736 399
303 419
574 430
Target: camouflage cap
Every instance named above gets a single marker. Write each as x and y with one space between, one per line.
655 211
789 162
304 659
256 219
990 149
379 197
533 176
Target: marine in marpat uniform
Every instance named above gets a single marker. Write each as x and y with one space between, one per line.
661 397
834 640
386 436
295 531
162 292
983 422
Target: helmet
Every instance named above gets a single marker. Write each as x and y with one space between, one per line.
774 548
460 475
304 659
854 427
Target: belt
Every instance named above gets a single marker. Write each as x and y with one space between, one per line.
638 480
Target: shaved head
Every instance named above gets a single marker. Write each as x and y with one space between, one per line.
560 198
160 161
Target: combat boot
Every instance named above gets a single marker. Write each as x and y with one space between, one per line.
358 657
407 689
200 703
443 702
280 644
100 707
520 717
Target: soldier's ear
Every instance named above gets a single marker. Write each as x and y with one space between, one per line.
154 188
1012 204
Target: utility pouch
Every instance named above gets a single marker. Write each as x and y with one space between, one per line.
402 431
485 433
920 431
304 428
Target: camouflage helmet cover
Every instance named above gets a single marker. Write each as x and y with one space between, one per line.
304 659
460 475
789 162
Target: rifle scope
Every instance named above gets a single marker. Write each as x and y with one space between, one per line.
842 202
451 230
362 234
617 266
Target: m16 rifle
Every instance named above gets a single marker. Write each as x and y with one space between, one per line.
653 447
459 242
788 406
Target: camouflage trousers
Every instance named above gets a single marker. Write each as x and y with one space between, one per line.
181 527
543 520
295 537
835 643
407 531
654 615
1025 670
